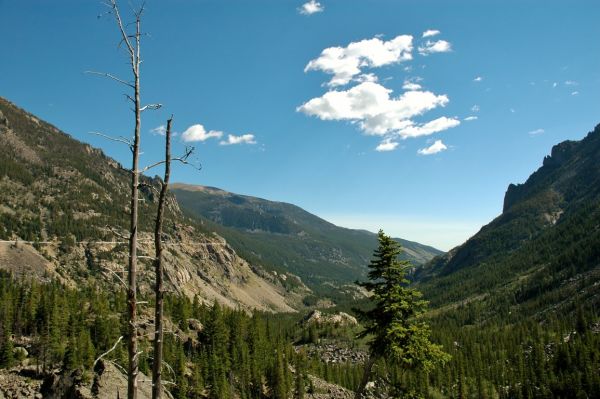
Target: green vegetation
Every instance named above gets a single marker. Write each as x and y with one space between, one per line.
394 326
284 237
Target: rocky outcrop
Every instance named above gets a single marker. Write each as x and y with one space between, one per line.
337 319
325 390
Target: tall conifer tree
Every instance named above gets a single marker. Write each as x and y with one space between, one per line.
394 325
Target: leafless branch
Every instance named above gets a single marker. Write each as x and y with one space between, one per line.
116 275
138 353
117 365
115 10
129 98
110 350
117 139
110 76
150 106
182 159
115 232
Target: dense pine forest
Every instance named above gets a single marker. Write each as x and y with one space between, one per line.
234 354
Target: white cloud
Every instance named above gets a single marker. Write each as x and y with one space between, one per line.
377 113
387 145
574 93
243 139
571 83
471 118
536 132
434 126
159 130
478 79
431 32
554 85
199 133
311 7
512 111
367 77
408 85
475 108
439 46
344 63
436 147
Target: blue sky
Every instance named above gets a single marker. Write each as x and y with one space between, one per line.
529 71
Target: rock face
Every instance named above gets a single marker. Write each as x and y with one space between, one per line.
65 205
106 383
325 390
20 383
331 353
338 319
544 241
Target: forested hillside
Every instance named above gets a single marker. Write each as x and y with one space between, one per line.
542 254
287 238
70 202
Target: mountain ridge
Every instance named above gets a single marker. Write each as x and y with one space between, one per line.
546 238
309 246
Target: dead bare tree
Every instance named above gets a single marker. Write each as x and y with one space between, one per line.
131 42
157 383
157 387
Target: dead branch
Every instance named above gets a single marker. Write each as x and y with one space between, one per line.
110 76
107 352
183 159
151 107
116 275
115 232
117 139
115 10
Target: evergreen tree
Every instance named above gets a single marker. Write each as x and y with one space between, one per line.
300 377
397 333
7 358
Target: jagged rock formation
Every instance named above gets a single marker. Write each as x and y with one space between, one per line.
337 319
542 251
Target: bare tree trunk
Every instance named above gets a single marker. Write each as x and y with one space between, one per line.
133 227
157 388
366 377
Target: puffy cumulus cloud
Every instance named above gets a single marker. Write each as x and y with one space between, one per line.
431 33
199 133
387 145
377 113
311 7
439 46
344 63
243 139
436 147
